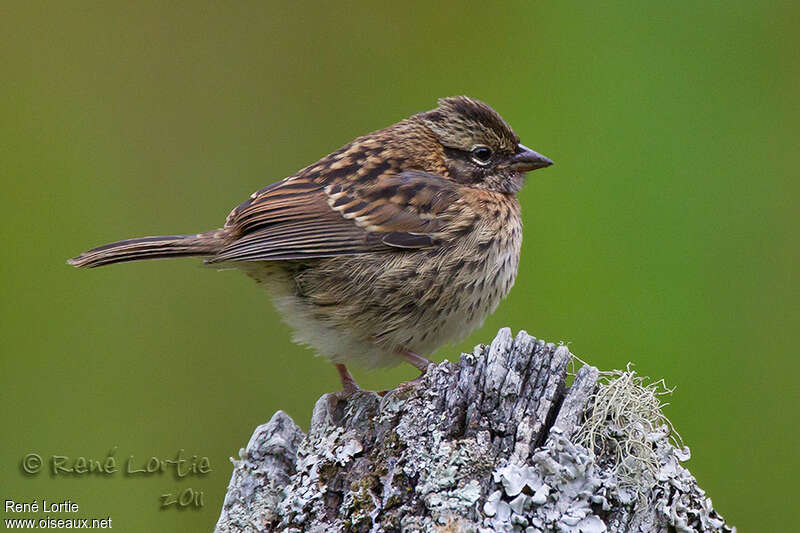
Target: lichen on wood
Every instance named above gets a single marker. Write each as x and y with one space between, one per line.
494 442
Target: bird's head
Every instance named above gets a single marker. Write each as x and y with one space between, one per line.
480 148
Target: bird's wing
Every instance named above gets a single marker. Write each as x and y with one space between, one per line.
300 218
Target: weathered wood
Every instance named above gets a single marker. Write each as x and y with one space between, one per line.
491 443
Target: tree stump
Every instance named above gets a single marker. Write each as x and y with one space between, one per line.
494 442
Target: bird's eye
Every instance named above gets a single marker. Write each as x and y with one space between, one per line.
482 155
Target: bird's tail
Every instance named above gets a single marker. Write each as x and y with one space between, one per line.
202 244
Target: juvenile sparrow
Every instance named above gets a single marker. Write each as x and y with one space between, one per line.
399 242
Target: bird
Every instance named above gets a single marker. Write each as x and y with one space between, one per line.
401 241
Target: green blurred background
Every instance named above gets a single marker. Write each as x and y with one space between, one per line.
666 233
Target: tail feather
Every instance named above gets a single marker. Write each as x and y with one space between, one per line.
163 246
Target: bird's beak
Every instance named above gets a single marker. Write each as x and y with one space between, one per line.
525 159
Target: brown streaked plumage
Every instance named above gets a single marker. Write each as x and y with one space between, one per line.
397 243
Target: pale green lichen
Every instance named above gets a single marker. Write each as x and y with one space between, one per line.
625 420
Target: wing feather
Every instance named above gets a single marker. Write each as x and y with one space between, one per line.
300 218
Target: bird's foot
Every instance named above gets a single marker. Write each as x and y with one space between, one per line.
404 386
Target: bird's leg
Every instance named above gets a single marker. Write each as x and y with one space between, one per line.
420 363
349 384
